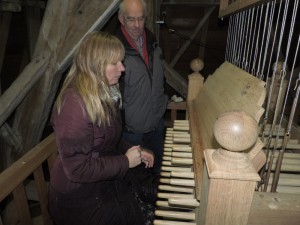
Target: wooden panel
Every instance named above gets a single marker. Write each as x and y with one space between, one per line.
225 195
275 209
218 96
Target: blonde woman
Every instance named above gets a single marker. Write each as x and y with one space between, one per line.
88 182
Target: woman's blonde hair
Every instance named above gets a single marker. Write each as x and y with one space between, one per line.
87 75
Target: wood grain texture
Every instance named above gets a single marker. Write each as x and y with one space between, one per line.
275 209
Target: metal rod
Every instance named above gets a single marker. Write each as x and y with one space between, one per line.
268 39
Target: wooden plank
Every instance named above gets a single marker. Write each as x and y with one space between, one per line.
33 23
34 3
10 6
191 2
203 38
21 203
248 93
10 136
176 81
226 9
275 209
195 87
217 96
42 191
95 17
151 15
12 97
9 213
22 168
177 105
194 34
4 29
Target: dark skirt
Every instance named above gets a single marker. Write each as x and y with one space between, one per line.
103 203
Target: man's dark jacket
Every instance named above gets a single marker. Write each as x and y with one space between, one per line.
142 86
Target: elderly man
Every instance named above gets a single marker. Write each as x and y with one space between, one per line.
142 85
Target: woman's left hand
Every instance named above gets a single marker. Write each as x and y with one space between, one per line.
147 157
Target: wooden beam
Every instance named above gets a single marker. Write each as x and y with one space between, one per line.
203 39
33 22
5 19
10 137
10 6
22 207
34 3
156 8
194 34
11 146
95 17
151 15
12 97
191 2
176 81
65 24
226 9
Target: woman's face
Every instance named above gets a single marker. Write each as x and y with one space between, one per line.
113 72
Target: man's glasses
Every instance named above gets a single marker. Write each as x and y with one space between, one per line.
133 20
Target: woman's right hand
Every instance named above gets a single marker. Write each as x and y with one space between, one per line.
134 156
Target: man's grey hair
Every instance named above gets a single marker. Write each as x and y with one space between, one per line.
122 10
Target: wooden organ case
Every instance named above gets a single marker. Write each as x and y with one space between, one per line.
212 175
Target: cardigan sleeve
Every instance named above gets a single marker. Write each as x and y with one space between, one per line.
75 140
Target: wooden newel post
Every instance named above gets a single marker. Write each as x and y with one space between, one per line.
195 79
229 177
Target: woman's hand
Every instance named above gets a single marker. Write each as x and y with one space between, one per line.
147 157
134 156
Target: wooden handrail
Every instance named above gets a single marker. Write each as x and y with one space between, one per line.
12 179
22 168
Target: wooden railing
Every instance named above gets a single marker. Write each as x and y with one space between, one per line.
13 182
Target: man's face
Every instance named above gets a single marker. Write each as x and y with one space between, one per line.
133 20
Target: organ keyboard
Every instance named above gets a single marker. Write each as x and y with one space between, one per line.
177 202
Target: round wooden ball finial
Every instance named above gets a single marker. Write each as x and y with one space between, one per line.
196 65
236 130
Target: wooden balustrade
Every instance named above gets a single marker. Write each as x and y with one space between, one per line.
14 180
